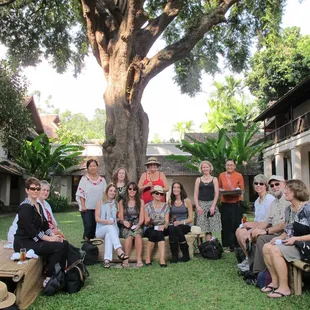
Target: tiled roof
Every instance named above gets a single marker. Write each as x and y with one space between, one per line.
50 124
11 169
202 136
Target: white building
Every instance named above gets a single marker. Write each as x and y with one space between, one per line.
287 126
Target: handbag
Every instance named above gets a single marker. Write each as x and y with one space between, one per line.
304 250
56 282
91 251
211 249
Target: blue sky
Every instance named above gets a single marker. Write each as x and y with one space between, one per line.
162 99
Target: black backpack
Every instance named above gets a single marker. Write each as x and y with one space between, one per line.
91 251
76 272
211 249
56 282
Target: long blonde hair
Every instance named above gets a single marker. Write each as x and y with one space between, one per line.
105 194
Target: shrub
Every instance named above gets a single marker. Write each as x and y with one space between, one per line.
59 203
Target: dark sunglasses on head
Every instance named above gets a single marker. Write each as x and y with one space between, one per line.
34 189
157 193
274 184
132 189
259 183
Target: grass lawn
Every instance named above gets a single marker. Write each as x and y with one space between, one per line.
198 284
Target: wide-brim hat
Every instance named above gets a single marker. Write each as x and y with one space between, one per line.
152 160
276 178
7 299
196 230
157 188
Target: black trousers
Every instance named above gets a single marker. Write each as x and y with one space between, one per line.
53 252
155 235
177 233
231 215
89 222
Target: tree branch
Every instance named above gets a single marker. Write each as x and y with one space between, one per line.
181 48
147 36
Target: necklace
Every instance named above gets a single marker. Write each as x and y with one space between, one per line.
206 180
177 203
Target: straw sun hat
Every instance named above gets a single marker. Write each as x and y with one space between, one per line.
152 160
7 299
157 188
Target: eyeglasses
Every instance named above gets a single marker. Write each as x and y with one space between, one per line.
274 184
157 193
34 189
132 189
259 183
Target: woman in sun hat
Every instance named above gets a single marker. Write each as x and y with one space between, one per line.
157 218
7 299
151 178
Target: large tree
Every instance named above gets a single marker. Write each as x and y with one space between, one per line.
121 34
280 66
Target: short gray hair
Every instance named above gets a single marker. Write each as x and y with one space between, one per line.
45 183
260 178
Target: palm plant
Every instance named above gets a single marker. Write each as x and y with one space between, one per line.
39 158
238 146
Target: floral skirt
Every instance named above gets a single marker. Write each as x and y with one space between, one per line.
125 232
208 224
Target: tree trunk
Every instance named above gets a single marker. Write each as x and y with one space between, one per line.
126 131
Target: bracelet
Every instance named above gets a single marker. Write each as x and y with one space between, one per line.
184 223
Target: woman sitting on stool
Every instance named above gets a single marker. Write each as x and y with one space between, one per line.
157 215
131 215
181 215
107 225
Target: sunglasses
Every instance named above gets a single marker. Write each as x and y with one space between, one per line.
157 193
132 189
274 184
34 189
259 183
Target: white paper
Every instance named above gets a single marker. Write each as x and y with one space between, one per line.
156 227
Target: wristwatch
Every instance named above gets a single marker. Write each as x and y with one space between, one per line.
267 231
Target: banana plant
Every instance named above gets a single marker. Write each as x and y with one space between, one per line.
42 159
239 146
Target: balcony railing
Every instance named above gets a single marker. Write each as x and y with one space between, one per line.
292 128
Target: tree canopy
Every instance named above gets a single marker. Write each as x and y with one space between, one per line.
280 66
229 105
120 34
77 128
15 121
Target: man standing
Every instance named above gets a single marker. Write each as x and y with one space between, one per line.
231 208
272 226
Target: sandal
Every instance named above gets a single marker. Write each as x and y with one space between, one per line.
276 294
123 256
125 265
139 265
107 264
268 289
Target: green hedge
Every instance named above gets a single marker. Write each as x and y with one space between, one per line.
59 203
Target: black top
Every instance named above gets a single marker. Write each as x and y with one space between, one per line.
206 191
31 224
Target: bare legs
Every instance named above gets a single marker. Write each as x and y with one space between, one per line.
149 249
277 267
161 247
242 235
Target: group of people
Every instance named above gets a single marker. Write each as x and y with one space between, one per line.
282 217
132 210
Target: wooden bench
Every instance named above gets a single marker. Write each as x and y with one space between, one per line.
190 238
295 270
28 277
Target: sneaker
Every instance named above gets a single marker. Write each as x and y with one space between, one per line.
243 263
244 268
